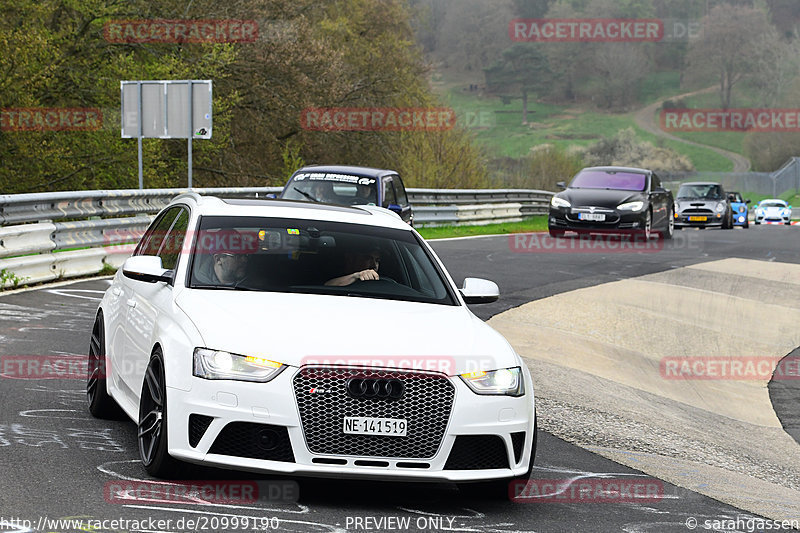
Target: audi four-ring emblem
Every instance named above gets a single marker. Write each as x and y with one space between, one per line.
392 389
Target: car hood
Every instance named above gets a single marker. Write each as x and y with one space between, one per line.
600 197
298 329
685 203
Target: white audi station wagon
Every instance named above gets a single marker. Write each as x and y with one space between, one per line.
283 336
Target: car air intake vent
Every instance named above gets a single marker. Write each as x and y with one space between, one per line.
517 441
198 424
254 441
477 452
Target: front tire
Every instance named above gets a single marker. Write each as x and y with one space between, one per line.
648 226
670 231
152 427
556 233
728 222
101 404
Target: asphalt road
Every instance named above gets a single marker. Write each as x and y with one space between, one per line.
57 461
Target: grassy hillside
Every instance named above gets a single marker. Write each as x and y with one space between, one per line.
498 125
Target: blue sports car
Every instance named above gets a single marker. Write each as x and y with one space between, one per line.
739 209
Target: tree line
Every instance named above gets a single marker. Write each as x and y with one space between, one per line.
55 54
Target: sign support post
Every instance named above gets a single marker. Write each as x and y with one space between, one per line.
166 109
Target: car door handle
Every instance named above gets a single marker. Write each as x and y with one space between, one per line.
131 302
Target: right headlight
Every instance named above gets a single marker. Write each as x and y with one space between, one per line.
217 364
631 206
720 207
555 201
505 382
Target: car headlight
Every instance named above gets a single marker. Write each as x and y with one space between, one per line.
720 207
217 364
555 201
760 212
505 381
631 206
787 213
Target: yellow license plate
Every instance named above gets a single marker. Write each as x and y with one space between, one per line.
698 219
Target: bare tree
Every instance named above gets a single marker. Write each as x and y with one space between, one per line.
621 67
733 41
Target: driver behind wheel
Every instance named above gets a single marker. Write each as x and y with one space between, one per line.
363 265
224 261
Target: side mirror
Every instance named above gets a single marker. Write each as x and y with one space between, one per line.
394 208
747 201
479 291
561 185
146 268
272 195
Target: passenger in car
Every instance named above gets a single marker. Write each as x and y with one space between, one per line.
363 266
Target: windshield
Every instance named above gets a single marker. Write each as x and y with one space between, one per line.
703 191
607 179
314 257
772 203
332 188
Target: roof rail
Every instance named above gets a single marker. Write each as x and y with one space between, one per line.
190 194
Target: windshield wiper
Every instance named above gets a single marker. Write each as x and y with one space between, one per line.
304 193
224 287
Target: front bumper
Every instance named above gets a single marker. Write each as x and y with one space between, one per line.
772 219
568 219
258 427
712 220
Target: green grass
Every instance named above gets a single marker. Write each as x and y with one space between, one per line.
659 85
565 126
537 223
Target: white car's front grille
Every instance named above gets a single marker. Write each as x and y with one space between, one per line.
324 401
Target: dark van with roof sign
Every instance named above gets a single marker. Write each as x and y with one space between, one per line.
346 185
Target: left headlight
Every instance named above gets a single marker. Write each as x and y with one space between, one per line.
217 364
505 382
631 206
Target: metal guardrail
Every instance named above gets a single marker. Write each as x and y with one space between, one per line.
48 236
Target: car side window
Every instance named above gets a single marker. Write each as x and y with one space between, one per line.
400 191
170 249
389 197
655 182
154 236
